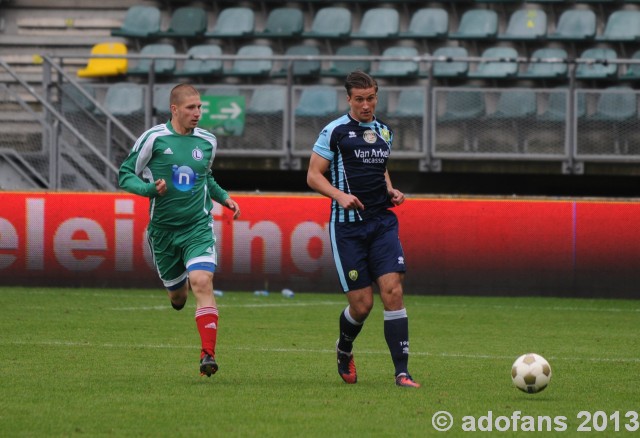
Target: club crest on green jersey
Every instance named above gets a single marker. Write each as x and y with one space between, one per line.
197 154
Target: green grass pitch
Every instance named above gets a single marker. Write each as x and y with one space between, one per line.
104 362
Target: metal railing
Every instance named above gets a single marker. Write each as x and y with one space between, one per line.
83 136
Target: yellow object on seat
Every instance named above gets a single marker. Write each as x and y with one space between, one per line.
97 67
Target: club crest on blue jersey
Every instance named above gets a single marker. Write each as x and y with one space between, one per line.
183 178
369 136
385 134
353 275
197 154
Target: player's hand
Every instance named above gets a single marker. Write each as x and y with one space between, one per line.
161 187
397 197
233 206
349 202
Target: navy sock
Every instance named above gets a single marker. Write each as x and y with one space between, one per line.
396 333
349 329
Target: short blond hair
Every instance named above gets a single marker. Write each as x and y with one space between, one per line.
180 91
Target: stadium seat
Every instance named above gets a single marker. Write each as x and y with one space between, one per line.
615 104
222 90
515 104
98 67
462 105
161 95
300 69
464 108
341 69
633 70
252 67
233 22
496 69
599 68
556 110
447 68
498 1
330 23
616 111
139 22
201 67
73 101
124 99
575 25
268 100
265 114
546 70
378 23
317 101
622 26
427 23
411 104
396 68
283 23
162 66
477 24
526 25
186 22
382 107
518 108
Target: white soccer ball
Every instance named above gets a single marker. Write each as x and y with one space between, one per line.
531 373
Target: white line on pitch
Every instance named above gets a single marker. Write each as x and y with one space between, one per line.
227 305
311 350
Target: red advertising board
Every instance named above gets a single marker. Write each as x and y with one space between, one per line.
462 246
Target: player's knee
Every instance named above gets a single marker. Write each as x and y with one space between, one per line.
361 310
393 297
201 281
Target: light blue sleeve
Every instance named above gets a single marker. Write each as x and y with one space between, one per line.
322 145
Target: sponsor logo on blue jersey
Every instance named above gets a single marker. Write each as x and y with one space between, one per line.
183 177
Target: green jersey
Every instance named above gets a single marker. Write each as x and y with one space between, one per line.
184 162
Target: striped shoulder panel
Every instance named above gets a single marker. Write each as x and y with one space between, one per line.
157 130
344 120
203 133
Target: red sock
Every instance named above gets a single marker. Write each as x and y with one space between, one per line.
207 322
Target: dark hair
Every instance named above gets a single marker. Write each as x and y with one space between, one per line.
360 80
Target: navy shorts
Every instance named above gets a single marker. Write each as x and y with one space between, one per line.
364 251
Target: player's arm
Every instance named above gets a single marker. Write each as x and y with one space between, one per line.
132 183
318 166
221 196
397 197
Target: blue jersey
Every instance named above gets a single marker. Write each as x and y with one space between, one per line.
358 154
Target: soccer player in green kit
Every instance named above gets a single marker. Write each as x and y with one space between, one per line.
171 165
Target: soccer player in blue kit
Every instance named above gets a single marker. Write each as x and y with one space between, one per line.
354 150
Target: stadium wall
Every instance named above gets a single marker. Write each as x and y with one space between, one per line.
452 246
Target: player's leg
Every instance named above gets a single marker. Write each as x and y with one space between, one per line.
201 280
351 322
178 294
387 263
169 266
349 251
199 252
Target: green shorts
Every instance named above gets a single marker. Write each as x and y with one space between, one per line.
174 252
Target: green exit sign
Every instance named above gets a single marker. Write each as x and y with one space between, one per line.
223 115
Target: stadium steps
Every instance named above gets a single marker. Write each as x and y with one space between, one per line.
19 130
